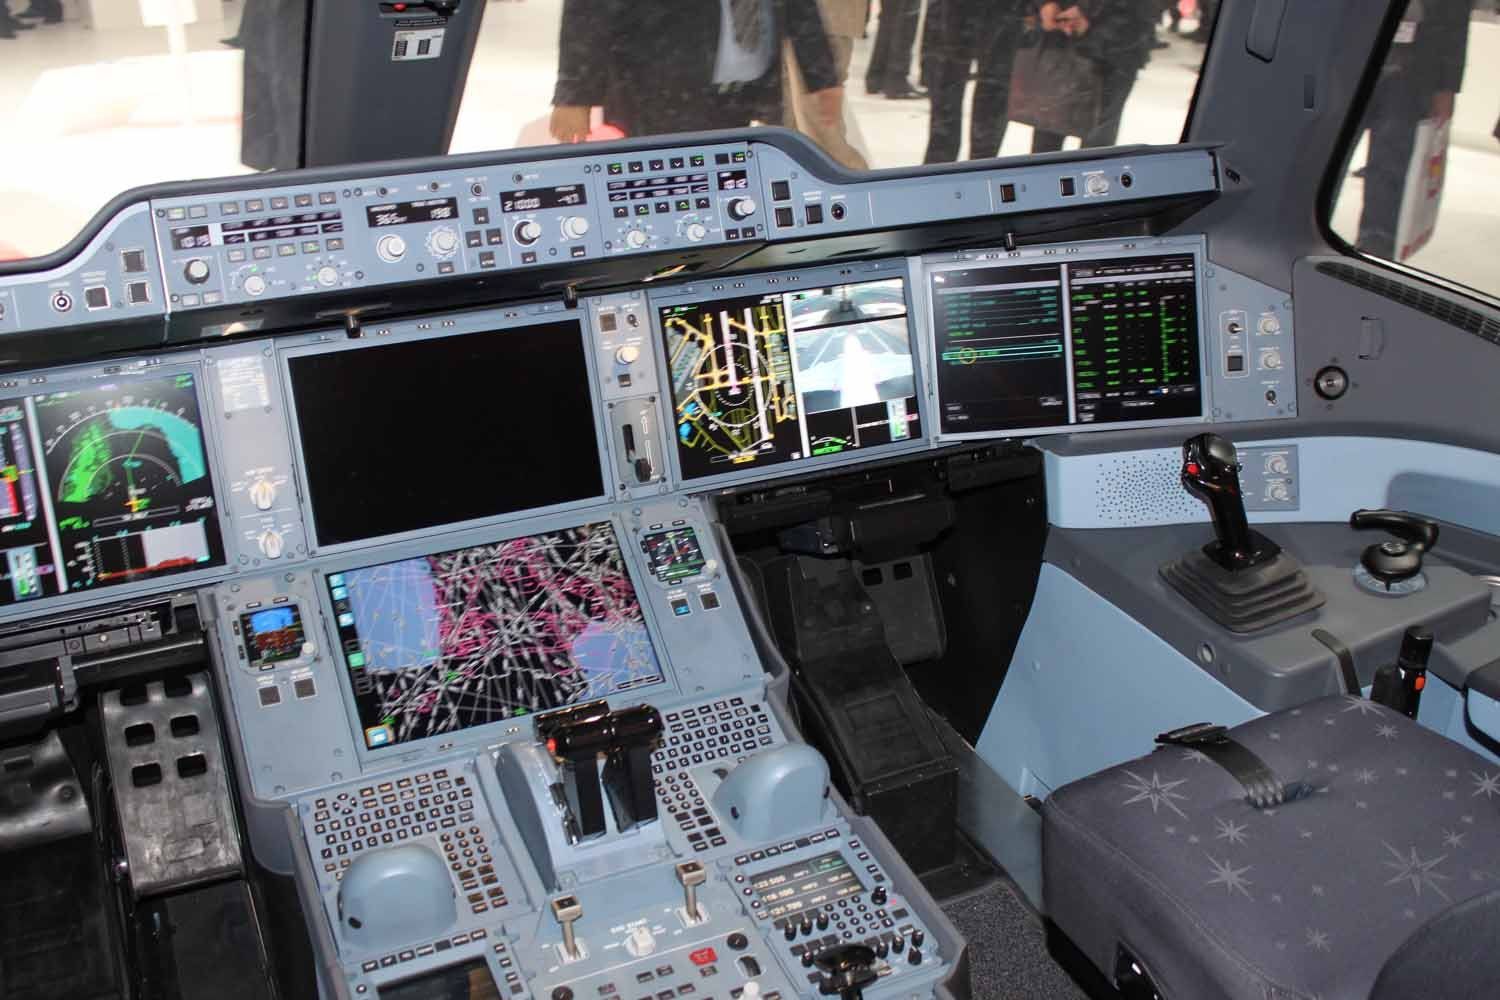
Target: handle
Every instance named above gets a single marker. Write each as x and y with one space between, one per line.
1413 529
1211 472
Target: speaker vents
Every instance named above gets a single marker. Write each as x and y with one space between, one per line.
1143 488
1446 310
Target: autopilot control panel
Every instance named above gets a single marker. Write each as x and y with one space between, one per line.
433 445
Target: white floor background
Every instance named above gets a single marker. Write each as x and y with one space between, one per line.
87 113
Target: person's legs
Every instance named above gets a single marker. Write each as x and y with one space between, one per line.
890 61
990 115
801 115
1043 141
1116 87
946 57
1393 138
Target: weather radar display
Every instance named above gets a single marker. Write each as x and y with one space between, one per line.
763 379
129 480
445 642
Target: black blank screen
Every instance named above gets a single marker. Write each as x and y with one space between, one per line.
407 436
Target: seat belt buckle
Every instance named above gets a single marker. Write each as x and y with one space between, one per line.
1198 734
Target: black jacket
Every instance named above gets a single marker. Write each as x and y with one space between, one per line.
650 63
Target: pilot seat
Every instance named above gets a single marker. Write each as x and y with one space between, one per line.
1334 850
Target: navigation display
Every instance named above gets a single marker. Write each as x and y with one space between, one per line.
128 481
764 379
1042 345
409 435
446 642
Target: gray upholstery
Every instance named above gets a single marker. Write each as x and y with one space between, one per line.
1216 898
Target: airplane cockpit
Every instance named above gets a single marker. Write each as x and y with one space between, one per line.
717 546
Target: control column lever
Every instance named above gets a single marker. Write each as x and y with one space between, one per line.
1211 472
567 910
691 874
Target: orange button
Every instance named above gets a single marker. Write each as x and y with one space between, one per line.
1419 683
704 956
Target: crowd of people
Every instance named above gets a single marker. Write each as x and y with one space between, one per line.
1064 67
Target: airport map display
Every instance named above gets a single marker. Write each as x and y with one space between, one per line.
764 379
444 642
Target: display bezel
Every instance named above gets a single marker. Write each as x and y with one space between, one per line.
779 282
640 578
1064 253
84 378
422 329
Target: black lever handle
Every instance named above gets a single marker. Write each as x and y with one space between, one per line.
847 969
1211 472
1410 528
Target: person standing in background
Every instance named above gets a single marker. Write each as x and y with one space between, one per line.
1114 37
46 11
890 58
8 24
1422 74
686 65
843 22
959 34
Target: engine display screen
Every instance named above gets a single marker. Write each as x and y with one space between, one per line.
272 635
674 554
806 885
1041 345
442 643
401 213
469 980
406 436
765 379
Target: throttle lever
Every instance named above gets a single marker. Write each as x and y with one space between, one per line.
1394 560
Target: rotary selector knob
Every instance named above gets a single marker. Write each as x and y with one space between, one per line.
1276 465
390 248
271 543
1271 360
528 231
262 494
628 355
1270 325
1096 184
328 276
1278 493
255 285
197 271
442 242
741 208
696 231
635 239
575 227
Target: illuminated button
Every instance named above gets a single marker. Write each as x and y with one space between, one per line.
327 198
814 214
286 250
628 355
96 297
783 217
1066 187
680 607
133 261
255 285
138 293
255 205
278 204
261 253
236 256
304 201
176 214
1007 193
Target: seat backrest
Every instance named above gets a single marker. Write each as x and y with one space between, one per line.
1453 955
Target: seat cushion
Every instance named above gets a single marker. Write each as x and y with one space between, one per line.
1163 856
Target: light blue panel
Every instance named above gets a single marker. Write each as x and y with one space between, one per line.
1090 687
1442 709
1484 713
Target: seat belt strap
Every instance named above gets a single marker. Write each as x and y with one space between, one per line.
1263 789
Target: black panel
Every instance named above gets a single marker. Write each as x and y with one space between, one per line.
402 437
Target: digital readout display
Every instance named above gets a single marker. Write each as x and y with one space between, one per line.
540 199
805 886
402 213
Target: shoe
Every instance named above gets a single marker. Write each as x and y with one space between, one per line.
1157 44
1360 173
233 42
906 93
46 17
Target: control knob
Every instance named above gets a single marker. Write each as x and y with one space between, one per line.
442 242
635 239
575 227
1096 184
741 208
1277 465
328 276
271 543
628 355
695 231
1270 325
196 271
1271 360
390 248
255 285
1278 493
528 231
262 494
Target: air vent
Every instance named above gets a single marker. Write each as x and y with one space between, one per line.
1450 312
1138 488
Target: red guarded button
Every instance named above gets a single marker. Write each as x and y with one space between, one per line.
1419 682
704 956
